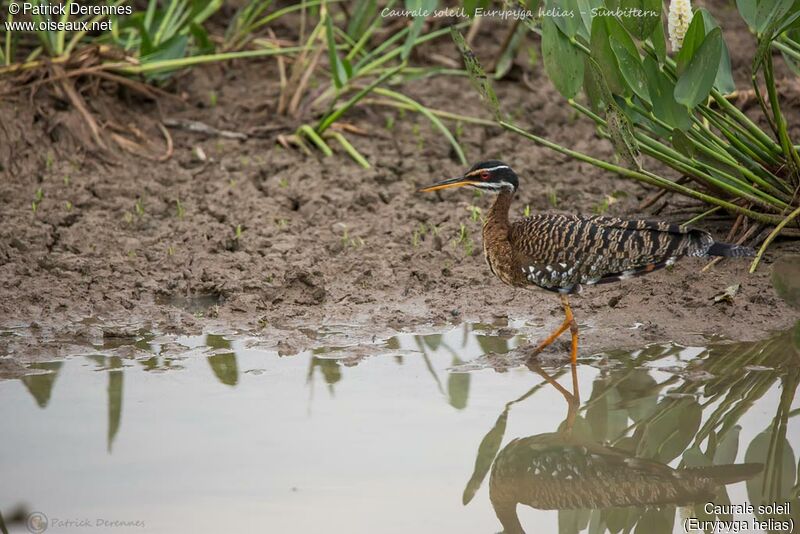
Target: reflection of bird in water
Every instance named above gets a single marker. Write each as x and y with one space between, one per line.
554 471
563 252
560 471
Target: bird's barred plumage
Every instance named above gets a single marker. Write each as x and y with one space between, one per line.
552 471
563 252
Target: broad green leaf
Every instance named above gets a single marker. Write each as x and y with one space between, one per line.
682 143
631 68
691 42
661 90
621 131
594 93
792 20
659 41
747 9
566 15
643 16
604 56
618 32
588 9
724 80
563 62
771 11
697 80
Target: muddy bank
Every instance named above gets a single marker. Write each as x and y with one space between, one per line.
279 243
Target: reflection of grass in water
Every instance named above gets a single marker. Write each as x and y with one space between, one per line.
693 415
40 386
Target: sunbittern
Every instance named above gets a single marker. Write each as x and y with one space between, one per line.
562 253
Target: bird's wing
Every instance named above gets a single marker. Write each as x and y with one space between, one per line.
563 251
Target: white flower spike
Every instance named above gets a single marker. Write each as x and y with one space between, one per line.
680 15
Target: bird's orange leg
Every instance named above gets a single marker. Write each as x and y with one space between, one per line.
573 328
569 323
573 399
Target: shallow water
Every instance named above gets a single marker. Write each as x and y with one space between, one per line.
208 434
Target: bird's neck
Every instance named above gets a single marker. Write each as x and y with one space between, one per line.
497 219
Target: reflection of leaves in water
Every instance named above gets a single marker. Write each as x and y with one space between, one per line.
638 393
656 521
665 436
41 386
217 342
773 449
786 279
667 427
330 369
225 368
573 521
224 365
432 341
487 451
604 416
421 343
458 387
728 447
491 344
115 379
759 451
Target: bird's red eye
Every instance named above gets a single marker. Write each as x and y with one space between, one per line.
484 175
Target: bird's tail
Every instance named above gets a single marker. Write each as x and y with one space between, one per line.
730 251
729 474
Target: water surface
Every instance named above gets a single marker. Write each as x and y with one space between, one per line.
210 434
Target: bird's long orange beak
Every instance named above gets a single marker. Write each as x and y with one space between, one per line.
446 184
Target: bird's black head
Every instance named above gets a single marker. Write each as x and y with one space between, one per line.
489 175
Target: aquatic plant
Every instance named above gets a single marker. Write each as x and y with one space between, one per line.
674 109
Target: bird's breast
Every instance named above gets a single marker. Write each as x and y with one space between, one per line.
500 256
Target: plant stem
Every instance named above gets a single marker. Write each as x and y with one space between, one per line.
350 149
702 216
439 113
332 117
316 139
772 236
643 176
